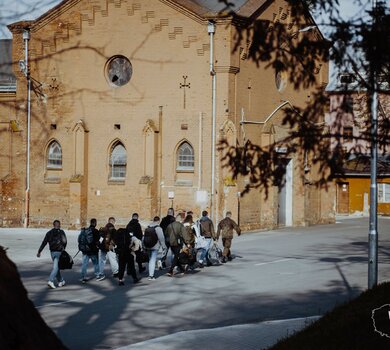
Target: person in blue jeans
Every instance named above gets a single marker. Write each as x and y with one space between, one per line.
89 246
57 243
154 229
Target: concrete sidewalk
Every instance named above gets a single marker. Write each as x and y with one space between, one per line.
256 336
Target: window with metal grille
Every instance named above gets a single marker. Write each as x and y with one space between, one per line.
54 156
185 157
118 162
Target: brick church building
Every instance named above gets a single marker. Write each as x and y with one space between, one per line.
128 102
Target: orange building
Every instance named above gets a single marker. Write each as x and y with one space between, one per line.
353 189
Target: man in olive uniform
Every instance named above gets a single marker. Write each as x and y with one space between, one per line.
226 227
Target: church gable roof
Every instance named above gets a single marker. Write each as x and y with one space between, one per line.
204 9
217 8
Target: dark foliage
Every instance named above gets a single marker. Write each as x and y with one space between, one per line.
21 325
349 326
361 45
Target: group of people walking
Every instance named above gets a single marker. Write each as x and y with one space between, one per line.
189 242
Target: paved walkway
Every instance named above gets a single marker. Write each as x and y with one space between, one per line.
256 336
280 279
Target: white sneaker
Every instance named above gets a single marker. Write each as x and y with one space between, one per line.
51 285
61 284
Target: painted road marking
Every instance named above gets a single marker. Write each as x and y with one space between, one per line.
62 302
273 262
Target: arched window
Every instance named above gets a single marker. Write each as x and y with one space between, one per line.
185 157
118 161
54 156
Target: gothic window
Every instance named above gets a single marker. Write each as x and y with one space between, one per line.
185 157
118 162
54 156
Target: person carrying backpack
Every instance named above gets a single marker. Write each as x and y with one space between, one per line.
153 240
123 244
57 243
135 229
89 246
106 249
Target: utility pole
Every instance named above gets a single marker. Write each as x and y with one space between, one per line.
26 71
373 228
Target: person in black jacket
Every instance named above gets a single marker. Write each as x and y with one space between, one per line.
57 243
134 229
122 241
165 222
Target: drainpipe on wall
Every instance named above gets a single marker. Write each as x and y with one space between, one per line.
26 38
200 152
160 135
211 31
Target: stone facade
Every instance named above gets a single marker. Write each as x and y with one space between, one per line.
164 108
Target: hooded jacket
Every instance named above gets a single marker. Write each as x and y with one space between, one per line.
134 227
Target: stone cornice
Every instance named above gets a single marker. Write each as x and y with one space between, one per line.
18 27
53 13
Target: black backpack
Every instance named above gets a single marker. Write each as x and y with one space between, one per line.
65 262
150 237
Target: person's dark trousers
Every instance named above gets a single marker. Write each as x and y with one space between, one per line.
164 258
126 259
140 268
175 261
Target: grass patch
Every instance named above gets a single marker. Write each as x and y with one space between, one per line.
348 326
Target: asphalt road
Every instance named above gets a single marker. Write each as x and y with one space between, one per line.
276 275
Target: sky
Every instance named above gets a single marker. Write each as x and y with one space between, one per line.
16 10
